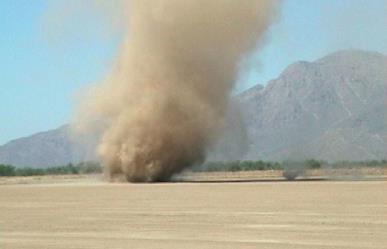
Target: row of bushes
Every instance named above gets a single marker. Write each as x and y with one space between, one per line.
213 166
70 169
255 165
236 166
349 164
262 165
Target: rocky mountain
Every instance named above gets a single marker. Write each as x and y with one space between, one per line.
334 108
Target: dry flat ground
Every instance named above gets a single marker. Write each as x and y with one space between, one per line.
93 214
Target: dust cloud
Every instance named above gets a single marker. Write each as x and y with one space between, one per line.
162 105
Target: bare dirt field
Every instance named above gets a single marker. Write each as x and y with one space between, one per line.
88 213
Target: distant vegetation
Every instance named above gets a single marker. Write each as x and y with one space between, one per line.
236 166
267 165
291 168
370 164
70 169
256 165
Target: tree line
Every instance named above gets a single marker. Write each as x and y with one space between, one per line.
212 166
69 169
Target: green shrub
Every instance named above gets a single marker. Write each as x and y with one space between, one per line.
313 164
7 170
29 172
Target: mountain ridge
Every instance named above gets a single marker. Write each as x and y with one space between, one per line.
309 101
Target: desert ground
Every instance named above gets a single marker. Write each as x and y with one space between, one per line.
86 212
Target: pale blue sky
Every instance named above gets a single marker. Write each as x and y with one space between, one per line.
41 72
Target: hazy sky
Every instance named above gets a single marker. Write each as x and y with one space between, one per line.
43 66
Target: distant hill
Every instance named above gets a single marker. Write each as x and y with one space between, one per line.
332 109
50 148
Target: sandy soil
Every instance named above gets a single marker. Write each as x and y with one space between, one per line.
92 214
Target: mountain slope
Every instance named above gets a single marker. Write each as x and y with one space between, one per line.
332 109
44 149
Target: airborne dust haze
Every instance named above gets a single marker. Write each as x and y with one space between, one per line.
160 108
